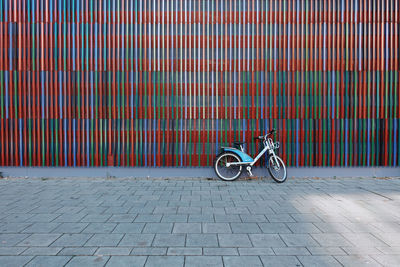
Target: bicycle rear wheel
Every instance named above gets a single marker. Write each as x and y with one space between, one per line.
227 173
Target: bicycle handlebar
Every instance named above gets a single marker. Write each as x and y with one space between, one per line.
262 137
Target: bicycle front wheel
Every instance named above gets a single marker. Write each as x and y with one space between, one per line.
277 169
227 173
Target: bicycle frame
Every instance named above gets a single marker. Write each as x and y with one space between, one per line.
268 146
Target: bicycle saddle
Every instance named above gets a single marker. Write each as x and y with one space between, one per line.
238 143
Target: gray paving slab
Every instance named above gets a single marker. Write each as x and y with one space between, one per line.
301 222
45 261
78 251
234 240
39 240
169 240
11 251
240 261
79 261
203 261
201 240
42 251
284 261
128 261
318 261
266 240
157 261
104 240
11 261
136 240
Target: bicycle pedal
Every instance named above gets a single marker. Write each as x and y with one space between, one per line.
249 171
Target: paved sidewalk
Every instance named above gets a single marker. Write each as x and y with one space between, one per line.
193 222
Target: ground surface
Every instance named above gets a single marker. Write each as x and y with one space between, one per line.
116 222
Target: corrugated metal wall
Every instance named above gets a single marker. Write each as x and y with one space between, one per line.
165 83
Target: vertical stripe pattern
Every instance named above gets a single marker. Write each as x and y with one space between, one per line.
167 82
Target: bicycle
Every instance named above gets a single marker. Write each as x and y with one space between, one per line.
228 164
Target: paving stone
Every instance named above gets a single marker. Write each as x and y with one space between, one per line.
169 240
99 228
361 250
240 261
203 261
71 240
70 228
39 240
165 210
104 240
331 240
38 228
298 240
158 261
148 218
131 261
363 239
9 240
70 218
283 218
136 240
260 210
266 240
390 250
129 228
237 210
305 217
17 218
182 228
257 218
79 261
11 251
284 261
228 218
198 218
220 251
318 261
234 240
176 251
255 251
326 251
43 217
332 227
291 251
99 218
303 228
158 228
127 218
9 261
119 251
387 260
189 210
12 228
42 251
245 228
201 240
78 251
149 251
48 261
274 228
174 218
217 228
356 260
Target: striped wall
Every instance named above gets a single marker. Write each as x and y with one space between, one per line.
165 83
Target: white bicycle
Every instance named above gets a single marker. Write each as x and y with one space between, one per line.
229 163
